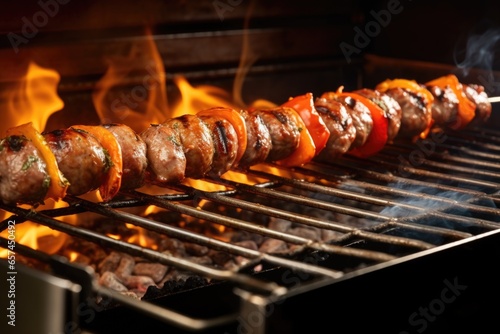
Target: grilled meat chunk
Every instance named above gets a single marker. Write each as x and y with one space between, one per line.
134 156
225 141
80 157
165 155
23 175
416 116
197 143
391 108
360 114
341 126
476 94
445 105
284 132
259 142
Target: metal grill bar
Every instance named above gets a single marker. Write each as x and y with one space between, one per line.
246 226
207 241
436 175
149 309
314 221
309 221
418 210
245 280
354 212
369 171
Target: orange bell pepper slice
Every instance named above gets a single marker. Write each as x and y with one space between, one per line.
306 149
304 105
466 108
112 182
238 123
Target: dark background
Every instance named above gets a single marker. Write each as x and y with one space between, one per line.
441 31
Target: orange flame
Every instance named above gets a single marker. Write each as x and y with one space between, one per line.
146 101
141 237
132 92
194 99
32 99
38 236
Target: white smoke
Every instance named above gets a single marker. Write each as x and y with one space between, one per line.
480 53
480 49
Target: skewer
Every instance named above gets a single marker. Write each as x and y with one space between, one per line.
494 99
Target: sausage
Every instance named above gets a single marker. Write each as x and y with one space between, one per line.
341 126
284 133
197 144
134 157
225 141
80 158
165 155
477 95
416 116
23 175
445 105
259 142
361 117
391 108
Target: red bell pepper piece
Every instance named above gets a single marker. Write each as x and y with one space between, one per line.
304 105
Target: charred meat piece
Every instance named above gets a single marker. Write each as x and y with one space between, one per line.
391 108
165 155
416 116
23 175
80 157
476 94
259 142
445 105
360 114
340 124
225 142
284 132
197 143
134 156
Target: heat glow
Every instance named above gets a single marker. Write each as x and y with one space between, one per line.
132 91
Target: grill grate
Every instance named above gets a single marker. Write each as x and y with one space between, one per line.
398 203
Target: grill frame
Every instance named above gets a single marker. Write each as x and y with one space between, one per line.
256 295
289 313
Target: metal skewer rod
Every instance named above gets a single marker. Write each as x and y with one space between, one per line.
494 99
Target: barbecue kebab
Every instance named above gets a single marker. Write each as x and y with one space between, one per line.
37 166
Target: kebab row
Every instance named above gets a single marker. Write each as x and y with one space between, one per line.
37 166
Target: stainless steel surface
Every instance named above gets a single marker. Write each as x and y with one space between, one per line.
44 303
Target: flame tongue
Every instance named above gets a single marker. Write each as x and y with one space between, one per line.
136 106
33 99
